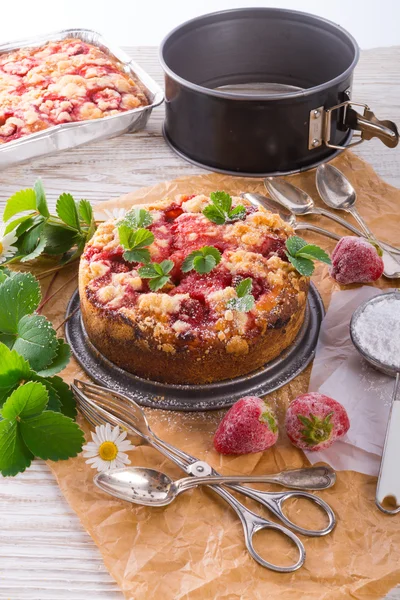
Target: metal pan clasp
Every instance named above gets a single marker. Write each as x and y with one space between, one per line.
367 124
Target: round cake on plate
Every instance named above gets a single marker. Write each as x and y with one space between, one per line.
195 289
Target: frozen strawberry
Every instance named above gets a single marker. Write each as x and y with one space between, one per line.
249 426
314 421
355 260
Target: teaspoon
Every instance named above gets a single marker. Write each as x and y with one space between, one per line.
286 215
154 488
300 203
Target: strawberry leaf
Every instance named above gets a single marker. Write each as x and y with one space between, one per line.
202 260
59 362
313 252
304 266
13 369
41 202
20 202
36 341
51 435
67 211
66 397
14 455
85 211
19 296
26 401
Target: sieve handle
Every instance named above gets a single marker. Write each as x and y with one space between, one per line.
389 476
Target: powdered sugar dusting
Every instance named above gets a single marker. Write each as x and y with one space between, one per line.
378 330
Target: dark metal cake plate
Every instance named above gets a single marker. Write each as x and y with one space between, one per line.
197 397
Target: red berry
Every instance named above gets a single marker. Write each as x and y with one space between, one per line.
249 426
355 260
314 421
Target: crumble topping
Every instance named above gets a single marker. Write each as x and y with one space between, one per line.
61 82
194 306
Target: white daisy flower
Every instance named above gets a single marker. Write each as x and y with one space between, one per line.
6 243
107 450
114 213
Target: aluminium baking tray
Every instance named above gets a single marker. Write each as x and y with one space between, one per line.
193 398
70 135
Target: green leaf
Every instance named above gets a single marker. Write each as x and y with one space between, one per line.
3 275
67 399
54 402
52 436
244 301
244 287
204 264
59 240
36 251
41 202
202 260
13 369
158 283
19 202
314 253
28 241
36 341
214 214
142 255
8 339
85 211
67 211
237 213
134 239
244 304
19 296
26 401
59 362
294 244
222 200
157 273
14 455
303 265
136 218
14 224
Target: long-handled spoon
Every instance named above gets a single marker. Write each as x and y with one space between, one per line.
286 215
154 488
300 203
338 193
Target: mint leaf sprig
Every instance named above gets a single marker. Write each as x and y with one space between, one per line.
303 255
157 273
134 237
202 260
245 300
39 232
220 210
37 408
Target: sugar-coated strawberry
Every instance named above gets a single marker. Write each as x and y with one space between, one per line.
355 260
249 426
314 421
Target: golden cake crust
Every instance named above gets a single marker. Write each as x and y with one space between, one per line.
186 332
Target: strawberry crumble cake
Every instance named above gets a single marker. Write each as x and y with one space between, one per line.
61 82
192 289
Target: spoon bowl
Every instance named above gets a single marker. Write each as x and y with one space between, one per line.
335 189
138 485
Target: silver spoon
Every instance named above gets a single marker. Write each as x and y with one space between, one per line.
286 215
338 193
300 203
153 488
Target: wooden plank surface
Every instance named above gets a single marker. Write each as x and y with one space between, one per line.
44 552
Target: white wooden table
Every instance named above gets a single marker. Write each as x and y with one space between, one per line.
44 552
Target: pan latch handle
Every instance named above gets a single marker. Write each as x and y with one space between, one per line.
366 124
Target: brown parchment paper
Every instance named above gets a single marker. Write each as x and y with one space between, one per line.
194 549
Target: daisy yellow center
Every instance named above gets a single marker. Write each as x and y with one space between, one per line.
1 247
108 451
